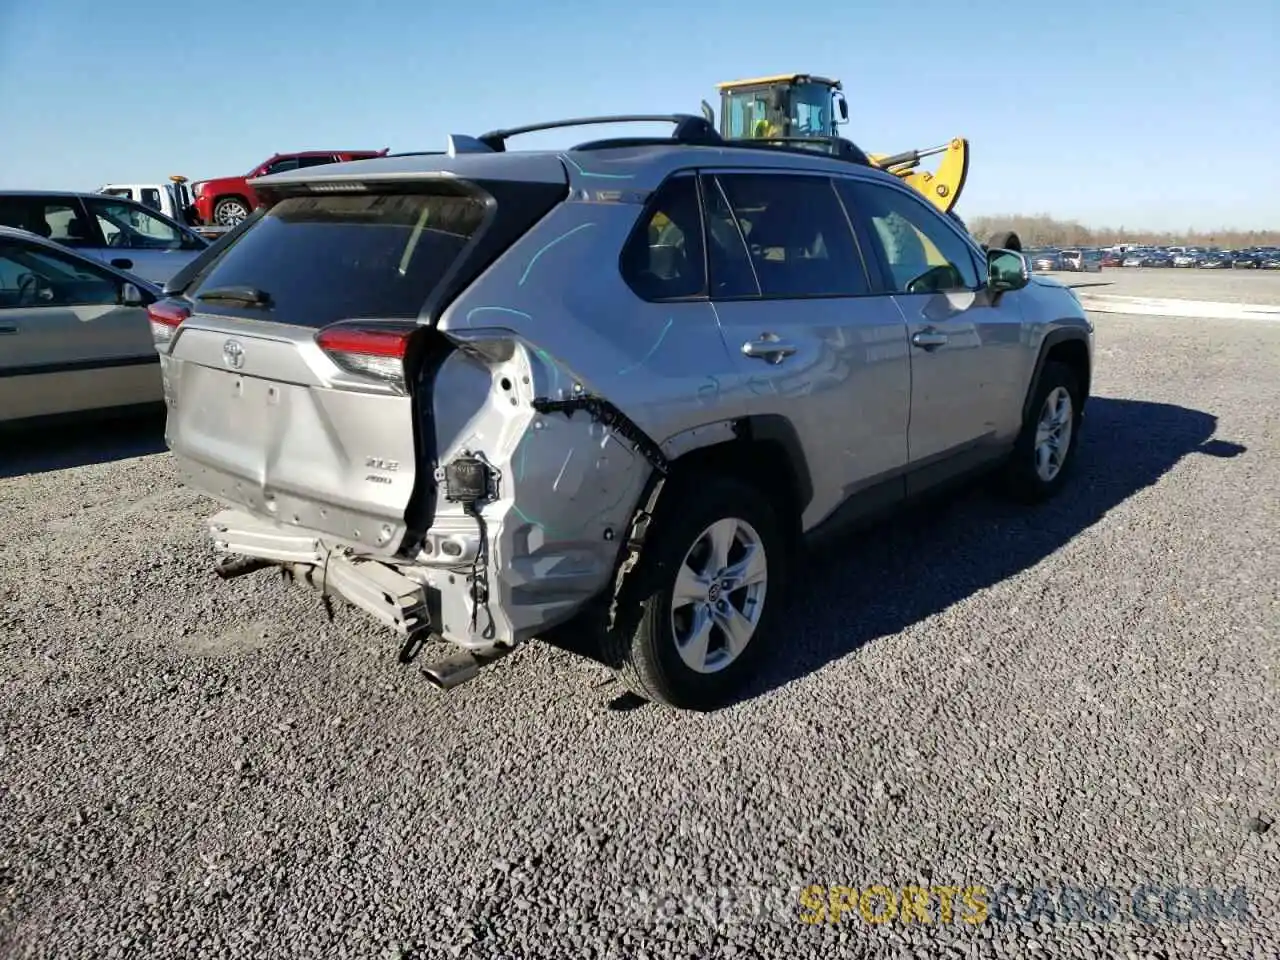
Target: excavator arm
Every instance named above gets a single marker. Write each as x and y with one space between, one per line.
943 187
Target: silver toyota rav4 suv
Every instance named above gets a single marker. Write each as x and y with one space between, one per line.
484 394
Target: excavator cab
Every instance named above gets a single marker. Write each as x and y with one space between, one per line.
792 107
803 110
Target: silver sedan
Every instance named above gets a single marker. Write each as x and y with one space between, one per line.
74 334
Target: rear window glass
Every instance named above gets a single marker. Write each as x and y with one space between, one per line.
337 257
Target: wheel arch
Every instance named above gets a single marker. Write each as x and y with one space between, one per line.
763 450
1069 346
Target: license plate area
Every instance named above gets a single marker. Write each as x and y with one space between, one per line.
297 454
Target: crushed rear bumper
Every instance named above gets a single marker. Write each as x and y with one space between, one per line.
378 589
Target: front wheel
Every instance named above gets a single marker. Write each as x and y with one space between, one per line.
698 611
229 211
1045 448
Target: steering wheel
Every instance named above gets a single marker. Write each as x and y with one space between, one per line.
118 239
28 290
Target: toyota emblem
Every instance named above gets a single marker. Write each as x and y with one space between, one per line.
233 354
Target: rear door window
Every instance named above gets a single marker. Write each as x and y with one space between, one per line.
799 240
321 259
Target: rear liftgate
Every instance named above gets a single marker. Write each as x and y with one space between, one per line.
398 602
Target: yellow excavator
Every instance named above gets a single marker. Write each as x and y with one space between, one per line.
804 110
800 107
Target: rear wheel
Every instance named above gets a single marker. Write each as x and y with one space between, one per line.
1045 448
229 211
697 612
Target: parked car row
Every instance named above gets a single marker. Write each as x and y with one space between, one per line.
1256 258
1075 260
78 271
116 231
74 335
1089 259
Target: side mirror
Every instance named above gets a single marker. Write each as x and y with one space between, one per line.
1007 270
842 105
131 295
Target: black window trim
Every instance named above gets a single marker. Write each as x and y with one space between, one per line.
868 274
882 261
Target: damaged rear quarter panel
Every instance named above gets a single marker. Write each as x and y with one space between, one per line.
569 485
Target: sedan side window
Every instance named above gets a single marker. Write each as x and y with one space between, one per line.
126 225
32 276
800 241
63 222
663 258
921 251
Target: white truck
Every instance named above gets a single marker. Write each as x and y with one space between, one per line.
173 199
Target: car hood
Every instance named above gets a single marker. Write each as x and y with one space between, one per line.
1049 281
219 181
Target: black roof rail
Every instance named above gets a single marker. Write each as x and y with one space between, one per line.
837 147
689 129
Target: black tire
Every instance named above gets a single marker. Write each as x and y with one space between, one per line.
642 647
1022 480
1004 240
225 203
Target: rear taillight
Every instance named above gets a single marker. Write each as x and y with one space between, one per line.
374 352
166 316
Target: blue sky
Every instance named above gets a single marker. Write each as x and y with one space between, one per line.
1145 114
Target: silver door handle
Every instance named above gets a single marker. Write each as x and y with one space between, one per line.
773 350
7 329
929 339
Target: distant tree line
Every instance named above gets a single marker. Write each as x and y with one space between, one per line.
1044 231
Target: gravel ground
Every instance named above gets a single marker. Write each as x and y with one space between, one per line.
1079 696
1226 286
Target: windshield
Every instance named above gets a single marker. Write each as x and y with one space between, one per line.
811 111
748 114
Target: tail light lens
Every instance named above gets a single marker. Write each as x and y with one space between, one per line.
166 316
366 351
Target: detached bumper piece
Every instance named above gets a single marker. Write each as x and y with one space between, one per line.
378 589
393 600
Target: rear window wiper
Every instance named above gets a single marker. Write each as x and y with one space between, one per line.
249 296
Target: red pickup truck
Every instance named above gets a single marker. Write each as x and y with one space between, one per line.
228 200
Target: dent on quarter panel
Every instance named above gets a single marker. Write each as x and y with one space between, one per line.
565 489
552 320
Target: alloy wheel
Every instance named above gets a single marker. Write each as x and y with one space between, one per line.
719 595
1053 433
